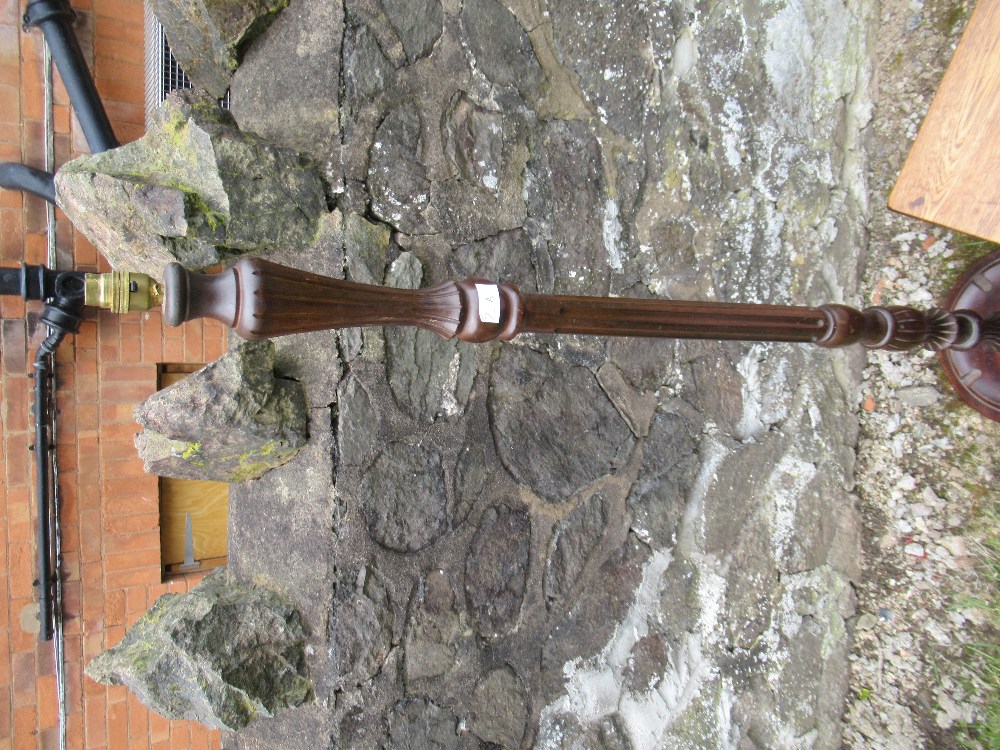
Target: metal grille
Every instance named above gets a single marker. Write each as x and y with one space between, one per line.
172 76
163 73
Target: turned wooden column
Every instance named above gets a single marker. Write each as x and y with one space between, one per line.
259 299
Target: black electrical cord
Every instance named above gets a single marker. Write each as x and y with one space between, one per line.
64 295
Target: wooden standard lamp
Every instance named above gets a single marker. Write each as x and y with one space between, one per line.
259 299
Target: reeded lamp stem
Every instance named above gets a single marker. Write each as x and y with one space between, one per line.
260 299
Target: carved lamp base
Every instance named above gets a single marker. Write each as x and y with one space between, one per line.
975 373
260 299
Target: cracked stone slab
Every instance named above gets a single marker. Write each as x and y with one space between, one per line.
572 545
501 47
496 569
614 78
208 38
435 632
500 708
530 394
636 408
405 497
419 723
400 188
360 631
567 200
296 104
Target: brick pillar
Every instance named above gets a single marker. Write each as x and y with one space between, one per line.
110 523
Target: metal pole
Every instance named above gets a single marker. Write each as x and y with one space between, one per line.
55 19
59 645
27 179
41 449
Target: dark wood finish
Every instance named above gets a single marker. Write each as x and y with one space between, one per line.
827 326
261 299
974 371
618 316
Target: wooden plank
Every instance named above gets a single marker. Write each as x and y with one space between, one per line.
207 502
952 174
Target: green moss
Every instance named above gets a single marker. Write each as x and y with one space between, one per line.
270 448
952 18
243 466
191 450
250 467
697 726
195 206
143 655
966 250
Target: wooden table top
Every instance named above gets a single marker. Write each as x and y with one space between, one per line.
951 176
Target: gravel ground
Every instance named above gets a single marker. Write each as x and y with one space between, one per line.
926 463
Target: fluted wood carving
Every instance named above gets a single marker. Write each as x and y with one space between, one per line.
261 299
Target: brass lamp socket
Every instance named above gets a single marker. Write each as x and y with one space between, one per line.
121 291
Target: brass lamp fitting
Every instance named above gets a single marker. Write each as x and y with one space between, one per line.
121 291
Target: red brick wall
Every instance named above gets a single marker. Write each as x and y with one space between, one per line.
110 507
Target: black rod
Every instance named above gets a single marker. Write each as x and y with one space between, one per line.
28 179
43 365
62 315
55 19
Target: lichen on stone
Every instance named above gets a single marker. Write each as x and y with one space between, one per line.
222 654
232 421
193 189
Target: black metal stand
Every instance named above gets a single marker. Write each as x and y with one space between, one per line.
64 294
55 19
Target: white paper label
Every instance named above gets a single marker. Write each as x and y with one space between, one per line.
489 303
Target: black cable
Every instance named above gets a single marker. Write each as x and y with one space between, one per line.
29 180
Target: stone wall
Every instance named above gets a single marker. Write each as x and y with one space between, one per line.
568 542
110 538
